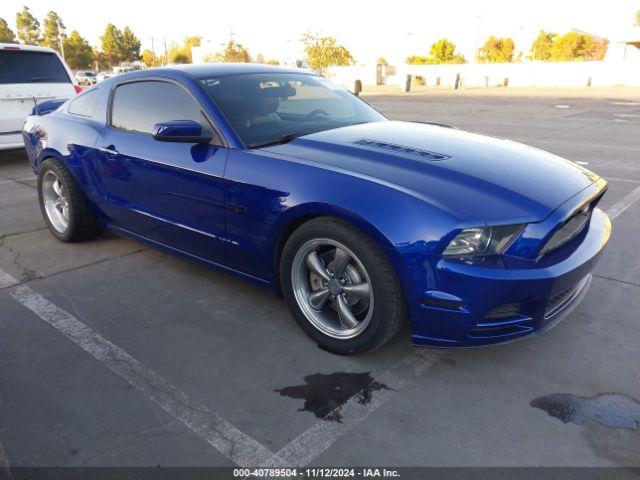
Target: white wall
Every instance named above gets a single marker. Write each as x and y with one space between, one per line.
531 74
346 76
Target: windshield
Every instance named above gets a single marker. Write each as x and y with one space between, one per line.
270 108
24 66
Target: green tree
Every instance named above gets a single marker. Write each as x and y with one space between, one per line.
578 46
150 59
599 50
111 43
28 27
497 50
53 31
567 47
419 60
444 51
190 42
6 34
541 46
175 50
182 52
323 52
101 59
129 46
181 58
273 62
77 51
234 52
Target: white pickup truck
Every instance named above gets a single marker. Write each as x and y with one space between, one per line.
29 76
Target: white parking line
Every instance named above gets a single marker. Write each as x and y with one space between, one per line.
310 444
619 179
5 471
218 432
7 280
619 207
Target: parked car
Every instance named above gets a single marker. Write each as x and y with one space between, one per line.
86 77
28 76
293 182
103 76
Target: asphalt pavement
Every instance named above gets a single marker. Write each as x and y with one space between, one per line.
116 354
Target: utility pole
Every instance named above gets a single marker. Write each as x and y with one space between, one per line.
60 32
164 39
153 49
479 18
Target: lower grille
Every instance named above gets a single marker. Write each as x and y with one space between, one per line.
500 331
562 299
506 310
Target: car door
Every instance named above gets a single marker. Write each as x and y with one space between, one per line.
170 193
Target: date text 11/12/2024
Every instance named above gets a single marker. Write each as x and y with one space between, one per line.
316 472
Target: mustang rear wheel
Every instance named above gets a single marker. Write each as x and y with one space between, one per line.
63 204
340 287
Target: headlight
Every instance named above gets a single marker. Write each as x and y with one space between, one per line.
482 241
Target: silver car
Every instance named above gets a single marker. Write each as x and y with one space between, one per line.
86 77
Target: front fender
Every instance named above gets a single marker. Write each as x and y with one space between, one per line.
294 217
408 229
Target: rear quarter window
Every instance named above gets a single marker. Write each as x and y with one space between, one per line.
84 105
24 66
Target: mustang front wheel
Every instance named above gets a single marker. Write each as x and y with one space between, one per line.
340 287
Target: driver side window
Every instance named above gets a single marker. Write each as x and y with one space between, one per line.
138 106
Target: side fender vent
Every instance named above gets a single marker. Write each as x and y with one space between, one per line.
401 150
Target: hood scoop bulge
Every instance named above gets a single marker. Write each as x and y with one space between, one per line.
400 149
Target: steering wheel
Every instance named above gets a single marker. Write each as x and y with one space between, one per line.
314 113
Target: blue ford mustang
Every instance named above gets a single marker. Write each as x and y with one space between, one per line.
360 222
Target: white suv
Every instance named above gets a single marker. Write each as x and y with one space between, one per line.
28 76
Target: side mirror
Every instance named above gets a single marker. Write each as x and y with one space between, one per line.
185 131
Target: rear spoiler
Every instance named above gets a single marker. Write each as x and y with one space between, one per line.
46 107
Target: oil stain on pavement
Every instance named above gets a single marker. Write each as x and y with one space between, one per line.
613 410
324 395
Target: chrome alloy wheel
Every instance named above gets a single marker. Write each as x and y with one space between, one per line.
332 288
56 202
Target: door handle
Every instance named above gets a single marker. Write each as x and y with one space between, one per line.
110 150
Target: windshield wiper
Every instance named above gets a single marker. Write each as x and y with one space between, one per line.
282 139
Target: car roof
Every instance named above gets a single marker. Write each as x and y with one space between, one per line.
213 69
31 48
208 70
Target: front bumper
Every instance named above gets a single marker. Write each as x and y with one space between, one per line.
476 305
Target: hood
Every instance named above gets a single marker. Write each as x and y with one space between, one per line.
466 174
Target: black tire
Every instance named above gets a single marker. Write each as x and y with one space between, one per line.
83 224
389 309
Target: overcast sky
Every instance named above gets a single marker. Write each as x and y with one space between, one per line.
393 29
